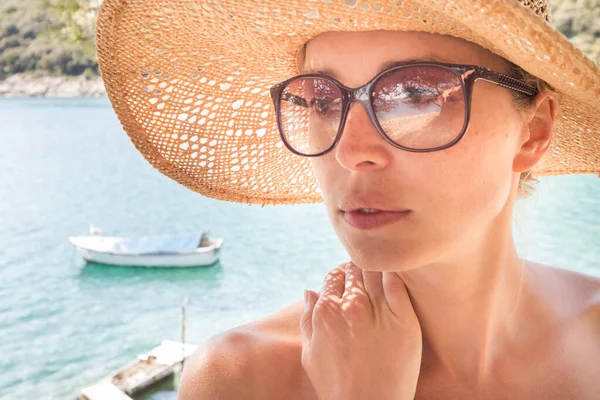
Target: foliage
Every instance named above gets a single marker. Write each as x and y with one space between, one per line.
579 20
47 37
56 37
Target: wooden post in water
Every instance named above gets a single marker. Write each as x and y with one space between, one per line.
183 330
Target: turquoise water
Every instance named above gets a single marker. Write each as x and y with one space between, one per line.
66 164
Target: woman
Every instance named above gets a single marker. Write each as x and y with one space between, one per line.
420 139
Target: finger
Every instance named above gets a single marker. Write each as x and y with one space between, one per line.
374 287
306 327
354 284
396 294
333 285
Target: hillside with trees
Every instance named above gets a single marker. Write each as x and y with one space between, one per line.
47 37
579 20
56 37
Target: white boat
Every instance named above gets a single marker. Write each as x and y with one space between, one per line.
189 250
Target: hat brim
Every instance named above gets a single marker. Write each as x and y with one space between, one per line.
190 81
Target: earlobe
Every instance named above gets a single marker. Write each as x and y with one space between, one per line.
539 123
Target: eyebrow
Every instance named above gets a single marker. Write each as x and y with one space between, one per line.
384 66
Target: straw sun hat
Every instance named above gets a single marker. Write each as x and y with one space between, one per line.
190 80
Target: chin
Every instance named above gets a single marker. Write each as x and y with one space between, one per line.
386 256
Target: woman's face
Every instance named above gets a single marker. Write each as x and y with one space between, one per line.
454 198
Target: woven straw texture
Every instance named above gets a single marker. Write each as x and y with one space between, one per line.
190 81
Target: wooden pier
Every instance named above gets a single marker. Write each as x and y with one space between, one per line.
147 370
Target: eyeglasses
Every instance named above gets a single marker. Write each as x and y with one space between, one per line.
418 107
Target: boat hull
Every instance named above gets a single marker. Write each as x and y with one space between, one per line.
200 258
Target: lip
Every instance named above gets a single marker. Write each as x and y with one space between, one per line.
365 221
357 202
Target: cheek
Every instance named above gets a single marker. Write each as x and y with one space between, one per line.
475 176
327 173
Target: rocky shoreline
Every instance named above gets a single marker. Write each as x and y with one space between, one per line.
17 86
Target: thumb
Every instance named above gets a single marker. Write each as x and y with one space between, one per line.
306 328
396 294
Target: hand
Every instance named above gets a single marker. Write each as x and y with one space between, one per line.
361 338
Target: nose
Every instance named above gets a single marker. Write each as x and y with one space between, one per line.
361 147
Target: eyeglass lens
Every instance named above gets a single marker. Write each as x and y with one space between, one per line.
416 107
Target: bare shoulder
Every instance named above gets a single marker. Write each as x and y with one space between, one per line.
575 298
260 360
575 293
580 286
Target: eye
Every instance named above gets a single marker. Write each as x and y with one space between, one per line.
420 94
322 105
325 105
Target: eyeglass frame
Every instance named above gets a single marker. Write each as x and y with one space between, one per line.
467 74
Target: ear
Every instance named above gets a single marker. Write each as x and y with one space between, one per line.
537 132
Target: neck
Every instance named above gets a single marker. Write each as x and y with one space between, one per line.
467 307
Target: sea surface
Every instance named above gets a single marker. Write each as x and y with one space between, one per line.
66 164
